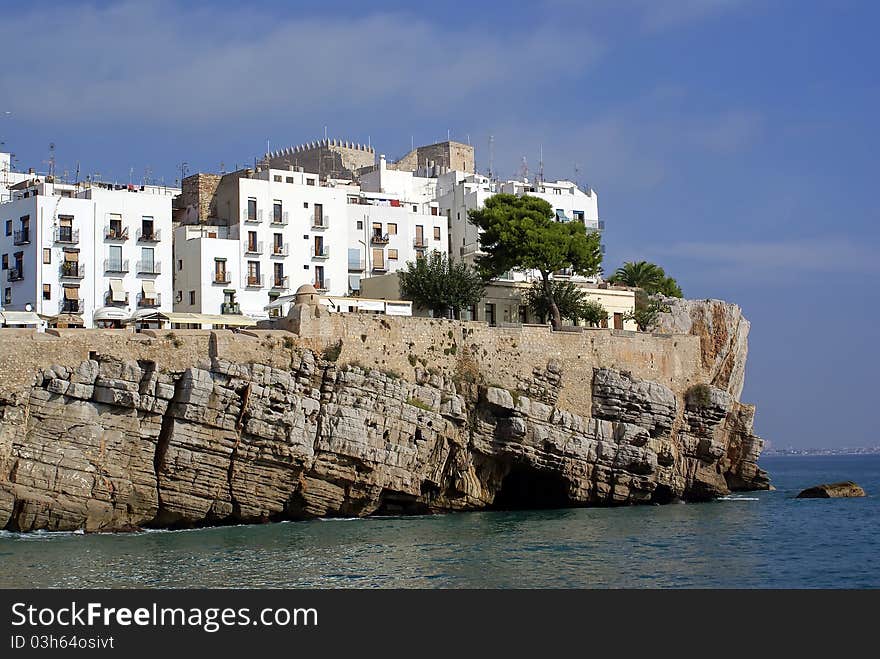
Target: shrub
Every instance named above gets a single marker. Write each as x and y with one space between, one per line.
418 402
699 395
331 353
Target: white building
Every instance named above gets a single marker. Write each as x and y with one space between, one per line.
269 231
86 255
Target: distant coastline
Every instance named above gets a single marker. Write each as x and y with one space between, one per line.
795 452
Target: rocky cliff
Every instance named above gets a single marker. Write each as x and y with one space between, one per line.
112 444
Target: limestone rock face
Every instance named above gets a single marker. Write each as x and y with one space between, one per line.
832 490
114 445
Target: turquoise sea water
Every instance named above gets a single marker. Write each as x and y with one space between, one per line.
765 539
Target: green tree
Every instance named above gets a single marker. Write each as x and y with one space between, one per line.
650 277
646 313
593 313
521 232
440 283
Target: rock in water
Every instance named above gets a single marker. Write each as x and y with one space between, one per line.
832 490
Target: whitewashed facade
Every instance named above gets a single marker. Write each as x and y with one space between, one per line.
86 255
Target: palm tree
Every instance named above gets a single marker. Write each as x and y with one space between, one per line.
644 275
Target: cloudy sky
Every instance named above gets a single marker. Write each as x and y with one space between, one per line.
732 141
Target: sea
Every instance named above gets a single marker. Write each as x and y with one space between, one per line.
747 540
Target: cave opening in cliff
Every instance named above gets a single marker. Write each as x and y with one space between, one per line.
527 488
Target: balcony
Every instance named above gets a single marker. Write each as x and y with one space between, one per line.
356 266
280 250
280 283
149 302
72 270
279 220
253 248
149 267
254 281
322 286
321 222
380 267
419 242
230 308
379 239
115 233
115 265
221 278
256 218
66 235
110 302
321 252
148 236
471 249
22 237
71 306
14 274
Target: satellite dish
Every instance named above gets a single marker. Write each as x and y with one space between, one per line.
28 307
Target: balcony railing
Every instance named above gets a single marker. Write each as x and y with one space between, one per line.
22 237
280 250
279 220
419 242
110 302
227 308
66 235
380 267
14 274
148 236
321 222
149 267
253 248
254 281
221 278
280 283
471 249
72 269
379 239
356 266
322 285
116 265
149 302
70 306
322 252
111 233
252 219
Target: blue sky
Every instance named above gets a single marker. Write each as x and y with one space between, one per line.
732 141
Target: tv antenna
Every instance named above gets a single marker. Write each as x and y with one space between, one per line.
524 170
491 156
52 159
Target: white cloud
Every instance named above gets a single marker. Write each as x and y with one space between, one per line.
168 63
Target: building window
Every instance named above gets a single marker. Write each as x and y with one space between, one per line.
148 263
178 297
220 271
392 229
310 181
289 179
420 236
433 210
578 215
279 275
392 254
7 296
47 291
252 241
252 209
47 256
253 273
8 227
306 266
276 211
360 225
180 265
277 243
378 259
192 298
415 209
305 204
436 233
6 261
319 277
618 321
277 178
490 314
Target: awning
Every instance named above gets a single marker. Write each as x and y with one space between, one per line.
19 318
71 257
66 319
116 288
110 313
149 288
71 292
232 320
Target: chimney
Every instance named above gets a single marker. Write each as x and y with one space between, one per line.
382 162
